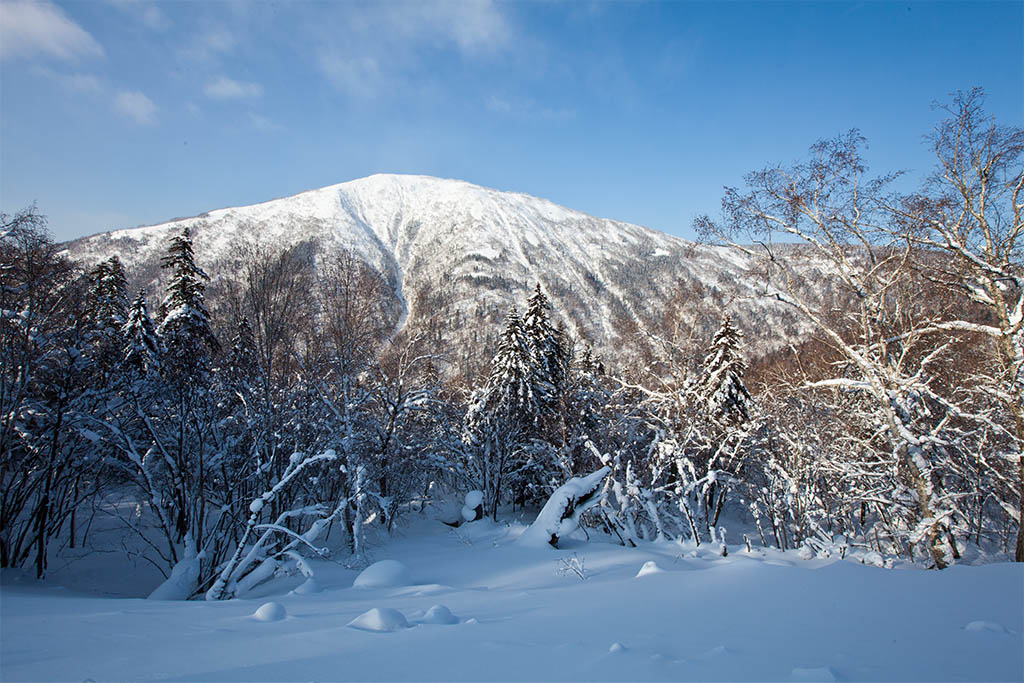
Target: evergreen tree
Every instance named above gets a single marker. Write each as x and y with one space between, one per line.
502 416
106 311
721 385
547 346
511 393
107 306
184 321
141 352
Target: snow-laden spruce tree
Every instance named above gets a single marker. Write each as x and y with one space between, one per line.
184 321
548 347
106 311
721 382
141 348
502 416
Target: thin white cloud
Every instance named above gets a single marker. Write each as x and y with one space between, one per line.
371 49
358 76
470 25
224 88
145 12
41 29
136 106
526 109
262 123
209 44
71 82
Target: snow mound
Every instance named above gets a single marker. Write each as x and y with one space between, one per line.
181 583
307 587
616 647
380 620
270 611
818 673
560 516
474 499
384 574
650 567
985 626
439 614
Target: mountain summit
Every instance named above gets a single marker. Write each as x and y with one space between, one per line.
454 252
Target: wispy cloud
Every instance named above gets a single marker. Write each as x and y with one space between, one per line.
473 26
382 46
262 123
41 29
209 44
136 106
145 12
224 88
526 108
71 82
358 76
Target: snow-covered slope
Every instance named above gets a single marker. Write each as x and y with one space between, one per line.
480 607
458 255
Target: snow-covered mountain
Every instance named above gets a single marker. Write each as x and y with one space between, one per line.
458 255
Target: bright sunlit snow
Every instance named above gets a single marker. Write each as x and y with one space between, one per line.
491 609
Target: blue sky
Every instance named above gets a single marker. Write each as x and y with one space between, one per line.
120 113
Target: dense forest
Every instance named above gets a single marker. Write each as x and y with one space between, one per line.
277 415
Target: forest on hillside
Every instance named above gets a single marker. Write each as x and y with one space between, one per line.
255 423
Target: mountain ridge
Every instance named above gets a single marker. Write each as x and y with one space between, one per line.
458 252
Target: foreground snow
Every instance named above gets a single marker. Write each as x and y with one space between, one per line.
478 607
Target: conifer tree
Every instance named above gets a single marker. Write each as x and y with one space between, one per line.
106 311
547 346
721 384
141 353
108 303
512 388
184 321
502 415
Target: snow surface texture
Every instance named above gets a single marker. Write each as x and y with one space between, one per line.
466 252
560 515
384 574
762 616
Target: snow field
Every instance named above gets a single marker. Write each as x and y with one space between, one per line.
760 616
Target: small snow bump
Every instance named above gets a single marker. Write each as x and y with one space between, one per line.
439 614
270 611
307 587
650 567
616 647
384 574
380 620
